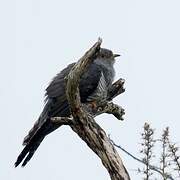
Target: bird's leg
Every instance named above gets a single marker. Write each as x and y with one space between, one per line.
93 105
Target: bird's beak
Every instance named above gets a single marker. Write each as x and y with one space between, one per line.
116 55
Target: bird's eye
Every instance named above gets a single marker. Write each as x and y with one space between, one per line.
102 55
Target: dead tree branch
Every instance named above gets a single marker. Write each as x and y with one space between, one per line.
83 122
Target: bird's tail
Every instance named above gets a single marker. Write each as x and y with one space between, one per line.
28 151
34 142
42 127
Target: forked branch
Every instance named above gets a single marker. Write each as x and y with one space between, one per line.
83 122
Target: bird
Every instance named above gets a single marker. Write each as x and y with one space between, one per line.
93 88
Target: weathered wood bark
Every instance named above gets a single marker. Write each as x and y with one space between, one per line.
83 122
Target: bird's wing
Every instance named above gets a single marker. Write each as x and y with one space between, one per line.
57 105
88 84
90 81
55 102
57 86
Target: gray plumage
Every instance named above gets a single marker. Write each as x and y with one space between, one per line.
93 86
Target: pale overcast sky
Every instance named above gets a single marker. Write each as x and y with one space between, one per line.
39 37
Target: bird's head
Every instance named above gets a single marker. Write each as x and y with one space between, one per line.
106 56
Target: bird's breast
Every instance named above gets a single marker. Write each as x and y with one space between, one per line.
100 94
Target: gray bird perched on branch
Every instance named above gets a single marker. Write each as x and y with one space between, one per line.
93 87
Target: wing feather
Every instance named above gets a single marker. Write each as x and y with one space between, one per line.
56 102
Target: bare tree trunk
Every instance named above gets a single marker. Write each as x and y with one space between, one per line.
83 122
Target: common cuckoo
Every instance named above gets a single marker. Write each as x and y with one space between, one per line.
93 87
